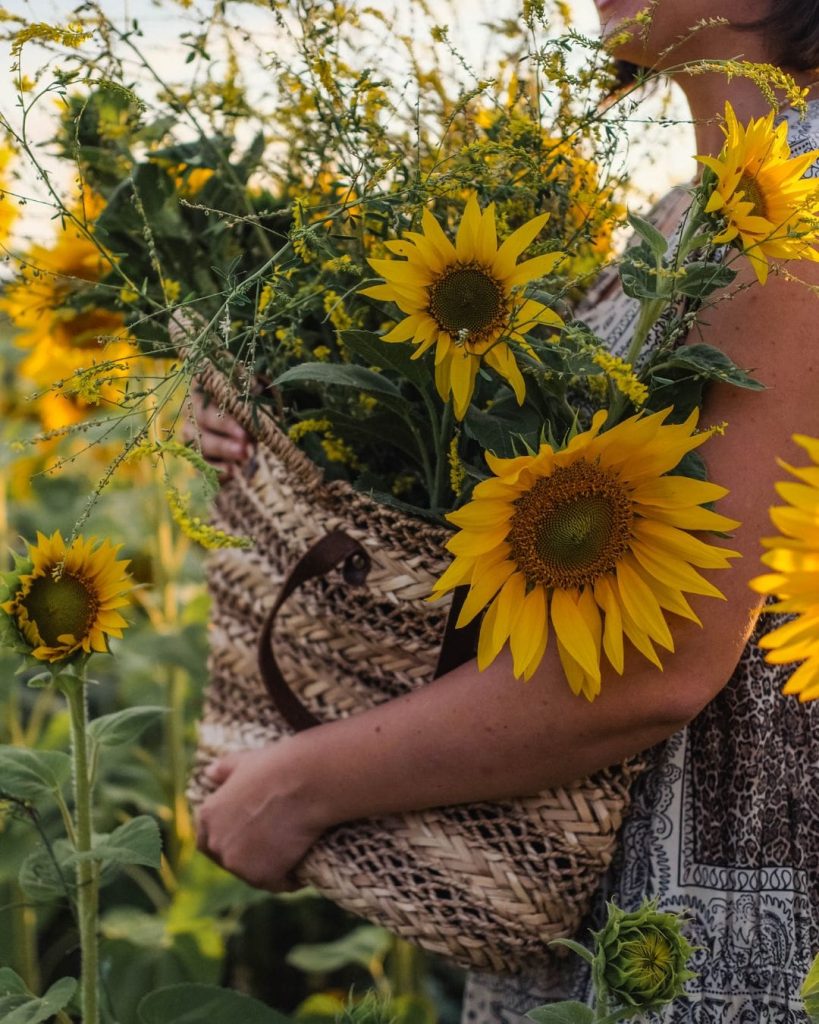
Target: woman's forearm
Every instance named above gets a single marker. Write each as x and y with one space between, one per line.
482 736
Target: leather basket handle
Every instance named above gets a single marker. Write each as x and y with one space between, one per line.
333 550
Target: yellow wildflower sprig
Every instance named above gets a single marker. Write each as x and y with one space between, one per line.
73 35
195 528
622 376
769 79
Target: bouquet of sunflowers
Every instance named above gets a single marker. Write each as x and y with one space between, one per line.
393 282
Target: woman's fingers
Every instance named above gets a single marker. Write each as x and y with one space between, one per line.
219 448
212 418
222 440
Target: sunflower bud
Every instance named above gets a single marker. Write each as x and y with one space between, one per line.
640 958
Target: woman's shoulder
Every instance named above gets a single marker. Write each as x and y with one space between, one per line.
803 132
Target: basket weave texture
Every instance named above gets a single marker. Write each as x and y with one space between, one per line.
487 885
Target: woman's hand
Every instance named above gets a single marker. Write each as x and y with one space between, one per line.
259 823
224 443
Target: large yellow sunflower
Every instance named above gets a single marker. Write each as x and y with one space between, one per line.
794 559
462 298
762 194
592 538
65 604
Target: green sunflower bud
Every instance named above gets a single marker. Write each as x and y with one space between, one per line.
640 958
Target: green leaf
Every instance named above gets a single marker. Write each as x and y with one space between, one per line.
501 435
810 991
360 946
205 1004
711 364
692 464
387 356
136 842
701 278
11 983
575 947
143 952
356 378
638 274
569 1012
338 375
41 879
656 240
122 727
32 774
19 1006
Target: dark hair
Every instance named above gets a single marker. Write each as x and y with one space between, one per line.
793 29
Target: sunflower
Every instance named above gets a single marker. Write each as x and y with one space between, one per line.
593 538
63 604
462 299
794 559
761 193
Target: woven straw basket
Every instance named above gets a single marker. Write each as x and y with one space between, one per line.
487 885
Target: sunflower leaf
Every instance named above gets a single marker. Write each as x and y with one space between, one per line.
194 1003
710 363
375 352
575 947
33 774
46 874
655 239
136 842
639 274
123 727
355 378
360 946
700 279
20 1006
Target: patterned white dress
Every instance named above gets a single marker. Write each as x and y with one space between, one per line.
725 821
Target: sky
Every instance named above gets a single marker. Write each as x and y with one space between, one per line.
163 22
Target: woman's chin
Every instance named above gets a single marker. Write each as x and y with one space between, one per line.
618 16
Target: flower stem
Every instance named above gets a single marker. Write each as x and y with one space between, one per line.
87 878
650 310
406 970
442 456
24 938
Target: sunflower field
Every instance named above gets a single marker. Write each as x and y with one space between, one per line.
376 224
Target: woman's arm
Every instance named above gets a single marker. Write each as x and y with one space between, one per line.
472 736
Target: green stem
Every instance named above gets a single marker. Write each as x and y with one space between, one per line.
87 879
24 932
434 426
406 969
650 310
693 223
442 456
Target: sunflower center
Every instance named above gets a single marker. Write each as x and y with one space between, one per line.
58 606
572 527
753 194
651 959
466 301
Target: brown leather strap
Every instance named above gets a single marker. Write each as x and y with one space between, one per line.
337 548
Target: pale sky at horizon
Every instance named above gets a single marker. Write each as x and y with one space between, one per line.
163 22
